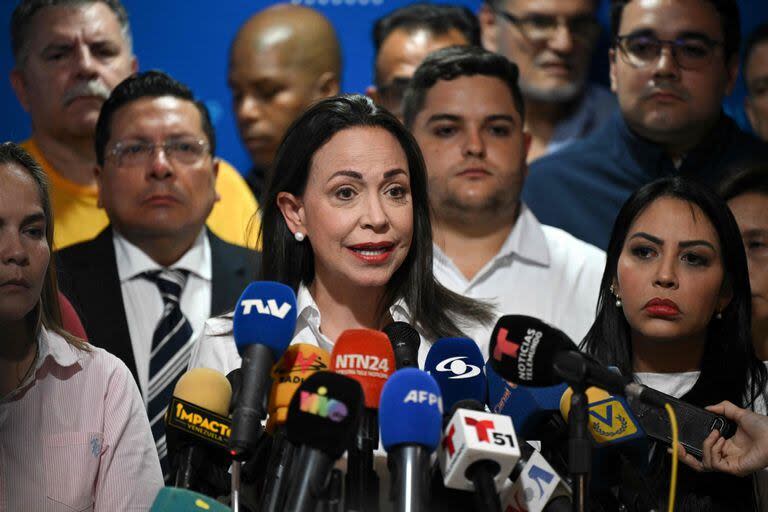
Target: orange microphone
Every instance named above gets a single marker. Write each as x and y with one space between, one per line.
299 362
366 356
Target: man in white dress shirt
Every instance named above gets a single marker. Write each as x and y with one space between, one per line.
466 111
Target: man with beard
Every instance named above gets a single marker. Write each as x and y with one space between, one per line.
551 41
69 55
465 109
671 64
282 60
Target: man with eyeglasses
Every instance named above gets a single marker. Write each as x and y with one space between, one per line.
68 56
552 42
404 37
671 64
146 284
756 78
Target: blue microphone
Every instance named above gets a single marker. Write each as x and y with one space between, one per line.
531 409
457 366
265 318
410 393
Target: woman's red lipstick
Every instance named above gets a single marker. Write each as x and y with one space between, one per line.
376 253
662 307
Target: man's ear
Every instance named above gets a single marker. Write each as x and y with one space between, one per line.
292 208
372 92
612 69
732 73
488 28
216 165
97 173
19 87
326 85
134 64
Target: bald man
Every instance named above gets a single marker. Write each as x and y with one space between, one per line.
283 59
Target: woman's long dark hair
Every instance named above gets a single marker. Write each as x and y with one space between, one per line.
437 311
730 370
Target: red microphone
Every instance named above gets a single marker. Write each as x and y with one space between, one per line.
366 356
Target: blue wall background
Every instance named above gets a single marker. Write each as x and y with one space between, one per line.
190 39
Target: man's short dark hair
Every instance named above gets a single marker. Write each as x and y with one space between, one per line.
454 62
751 178
438 19
757 37
730 23
22 16
150 84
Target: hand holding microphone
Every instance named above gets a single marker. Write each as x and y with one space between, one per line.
740 455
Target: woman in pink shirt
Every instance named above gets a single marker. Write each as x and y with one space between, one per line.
74 434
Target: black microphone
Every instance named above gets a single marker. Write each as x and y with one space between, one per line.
405 342
526 351
322 420
263 325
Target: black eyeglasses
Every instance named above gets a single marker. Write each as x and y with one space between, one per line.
539 28
640 50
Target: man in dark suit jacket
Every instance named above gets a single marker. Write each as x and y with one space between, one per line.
145 286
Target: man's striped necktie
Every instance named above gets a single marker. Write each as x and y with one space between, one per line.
171 348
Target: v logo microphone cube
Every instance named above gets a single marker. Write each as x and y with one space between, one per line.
472 436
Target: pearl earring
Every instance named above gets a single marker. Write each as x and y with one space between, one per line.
618 302
299 236
719 315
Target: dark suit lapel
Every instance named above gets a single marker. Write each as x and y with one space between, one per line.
232 268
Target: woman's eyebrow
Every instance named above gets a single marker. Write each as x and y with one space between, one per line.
648 237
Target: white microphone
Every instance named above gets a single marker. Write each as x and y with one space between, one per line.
478 451
538 488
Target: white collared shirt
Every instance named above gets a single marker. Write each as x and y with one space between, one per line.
540 271
142 300
75 435
216 347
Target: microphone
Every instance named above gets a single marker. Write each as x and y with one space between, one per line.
526 351
405 343
198 430
366 356
264 321
413 394
535 412
478 451
322 420
457 366
298 363
537 486
173 499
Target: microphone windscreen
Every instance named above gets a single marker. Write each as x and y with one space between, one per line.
405 343
205 388
366 356
174 499
299 361
457 366
527 406
265 315
522 350
411 410
324 413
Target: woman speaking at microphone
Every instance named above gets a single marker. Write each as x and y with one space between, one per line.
74 434
346 224
674 312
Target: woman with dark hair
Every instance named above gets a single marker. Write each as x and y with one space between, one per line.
346 224
746 191
674 312
74 434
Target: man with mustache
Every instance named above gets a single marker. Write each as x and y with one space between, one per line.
148 282
68 56
671 64
283 59
552 42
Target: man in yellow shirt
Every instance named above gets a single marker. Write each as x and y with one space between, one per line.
68 58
